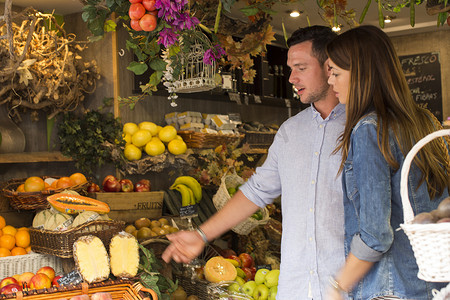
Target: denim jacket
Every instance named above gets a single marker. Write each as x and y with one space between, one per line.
373 213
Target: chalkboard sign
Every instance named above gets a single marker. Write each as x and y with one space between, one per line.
71 278
423 74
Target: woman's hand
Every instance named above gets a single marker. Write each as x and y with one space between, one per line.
185 246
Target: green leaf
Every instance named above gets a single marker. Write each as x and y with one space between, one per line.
96 26
227 4
249 11
109 26
155 78
158 64
137 68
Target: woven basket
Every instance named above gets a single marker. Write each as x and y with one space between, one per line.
60 243
31 262
259 140
222 196
33 200
195 139
430 242
119 289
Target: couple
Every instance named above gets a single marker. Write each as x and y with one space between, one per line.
337 166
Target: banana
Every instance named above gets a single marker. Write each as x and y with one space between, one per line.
186 193
193 184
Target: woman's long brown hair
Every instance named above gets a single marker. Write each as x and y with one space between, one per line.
378 84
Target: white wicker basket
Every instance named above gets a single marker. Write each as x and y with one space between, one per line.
430 242
32 262
222 196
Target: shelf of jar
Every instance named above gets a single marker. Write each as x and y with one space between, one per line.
33 157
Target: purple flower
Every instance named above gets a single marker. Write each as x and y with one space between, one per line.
219 50
208 57
184 21
170 9
167 37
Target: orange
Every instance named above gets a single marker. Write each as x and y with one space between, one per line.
4 252
8 229
64 182
18 251
21 188
7 241
54 184
28 249
34 184
22 238
23 228
2 222
78 178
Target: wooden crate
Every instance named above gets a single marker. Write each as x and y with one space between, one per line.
128 207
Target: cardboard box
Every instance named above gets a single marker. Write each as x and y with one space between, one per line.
129 207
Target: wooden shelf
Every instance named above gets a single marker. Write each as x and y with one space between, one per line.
32 157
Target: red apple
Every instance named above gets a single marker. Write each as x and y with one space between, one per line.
135 1
126 185
134 24
148 22
93 188
40 281
49 271
107 178
112 185
25 278
10 288
248 274
246 259
8 280
55 280
149 4
142 185
227 253
136 11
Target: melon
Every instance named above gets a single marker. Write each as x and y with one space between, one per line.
85 217
91 258
218 269
74 204
58 222
124 255
41 217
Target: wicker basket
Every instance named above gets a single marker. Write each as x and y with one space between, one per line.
31 262
33 200
222 196
119 289
60 243
195 139
259 140
430 242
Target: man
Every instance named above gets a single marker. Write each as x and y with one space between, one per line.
302 167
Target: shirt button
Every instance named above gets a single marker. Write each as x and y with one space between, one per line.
313 181
316 153
320 126
310 239
311 272
311 209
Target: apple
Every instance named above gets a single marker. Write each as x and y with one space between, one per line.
134 24
107 178
111 184
25 277
40 281
135 1
55 280
136 11
261 275
93 188
273 292
142 185
234 287
249 287
272 278
261 292
49 271
8 280
246 260
227 253
149 4
126 185
10 288
248 274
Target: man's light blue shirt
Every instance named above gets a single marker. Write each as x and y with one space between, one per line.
300 166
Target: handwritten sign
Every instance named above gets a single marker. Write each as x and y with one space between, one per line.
423 74
71 278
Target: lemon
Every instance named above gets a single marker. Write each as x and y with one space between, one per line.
178 138
141 137
177 147
150 126
155 147
158 129
127 138
130 128
132 152
167 133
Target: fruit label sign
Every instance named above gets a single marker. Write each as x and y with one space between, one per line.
71 278
148 205
188 211
268 267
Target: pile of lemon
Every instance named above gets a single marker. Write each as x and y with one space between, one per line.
151 138
13 241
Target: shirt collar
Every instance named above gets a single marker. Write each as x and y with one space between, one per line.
336 112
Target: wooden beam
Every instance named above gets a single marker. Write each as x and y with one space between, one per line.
115 61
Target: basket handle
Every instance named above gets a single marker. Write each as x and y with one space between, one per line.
408 214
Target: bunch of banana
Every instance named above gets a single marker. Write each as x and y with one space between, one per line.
190 189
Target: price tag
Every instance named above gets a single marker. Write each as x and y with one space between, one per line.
188 211
235 97
71 278
268 267
257 99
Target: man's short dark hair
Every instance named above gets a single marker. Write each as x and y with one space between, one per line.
320 36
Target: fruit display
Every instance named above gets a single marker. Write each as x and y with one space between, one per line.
13 241
440 215
152 139
189 188
37 184
145 228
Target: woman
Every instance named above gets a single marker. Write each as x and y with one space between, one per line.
383 123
